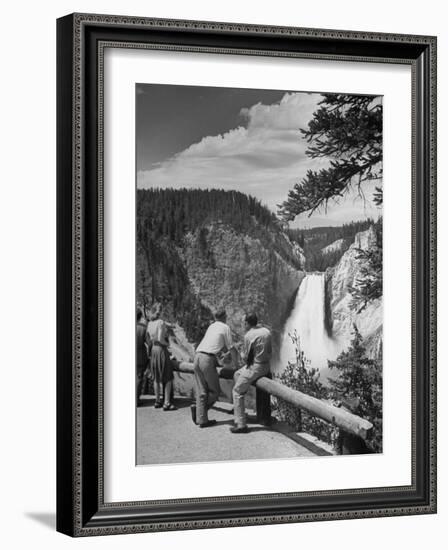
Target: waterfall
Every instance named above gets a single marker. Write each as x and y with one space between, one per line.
307 318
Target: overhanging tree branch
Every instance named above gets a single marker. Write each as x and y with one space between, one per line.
348 131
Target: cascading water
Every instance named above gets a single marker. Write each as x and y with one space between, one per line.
307 318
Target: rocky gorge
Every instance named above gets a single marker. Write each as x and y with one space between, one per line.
239 273
340 314
235 255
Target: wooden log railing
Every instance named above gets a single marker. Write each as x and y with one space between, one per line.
346 421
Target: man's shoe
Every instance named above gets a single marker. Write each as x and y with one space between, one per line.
207 424
169 407
193 413
239 429
157 405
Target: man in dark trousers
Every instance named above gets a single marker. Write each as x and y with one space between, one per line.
257 356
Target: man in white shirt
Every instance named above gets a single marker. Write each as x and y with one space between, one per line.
217 339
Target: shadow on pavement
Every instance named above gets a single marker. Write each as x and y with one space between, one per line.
149 401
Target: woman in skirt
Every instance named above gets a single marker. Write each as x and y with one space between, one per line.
161 366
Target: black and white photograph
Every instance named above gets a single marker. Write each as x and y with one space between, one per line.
258 274
223 237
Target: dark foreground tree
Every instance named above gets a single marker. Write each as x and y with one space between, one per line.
368 285
347 130
359 385
301 376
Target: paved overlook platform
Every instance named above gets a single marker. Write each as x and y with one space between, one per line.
169 437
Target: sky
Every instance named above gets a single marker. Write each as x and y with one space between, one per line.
233 138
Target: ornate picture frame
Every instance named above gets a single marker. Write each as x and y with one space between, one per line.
81 43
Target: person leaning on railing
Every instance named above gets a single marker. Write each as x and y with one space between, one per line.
257 356
217 339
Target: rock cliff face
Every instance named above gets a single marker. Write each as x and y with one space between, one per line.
203 250
340 317
297 251
336 245
240 273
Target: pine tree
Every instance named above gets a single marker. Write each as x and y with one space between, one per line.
348 130
301 376
359 384
368 285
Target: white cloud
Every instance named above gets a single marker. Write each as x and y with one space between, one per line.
264 159
294 111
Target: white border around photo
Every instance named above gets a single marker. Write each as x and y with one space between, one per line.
123 481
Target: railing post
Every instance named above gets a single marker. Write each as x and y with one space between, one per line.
299 420
339 443
263 405
348 444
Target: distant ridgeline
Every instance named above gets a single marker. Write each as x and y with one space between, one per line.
324 246
198 250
